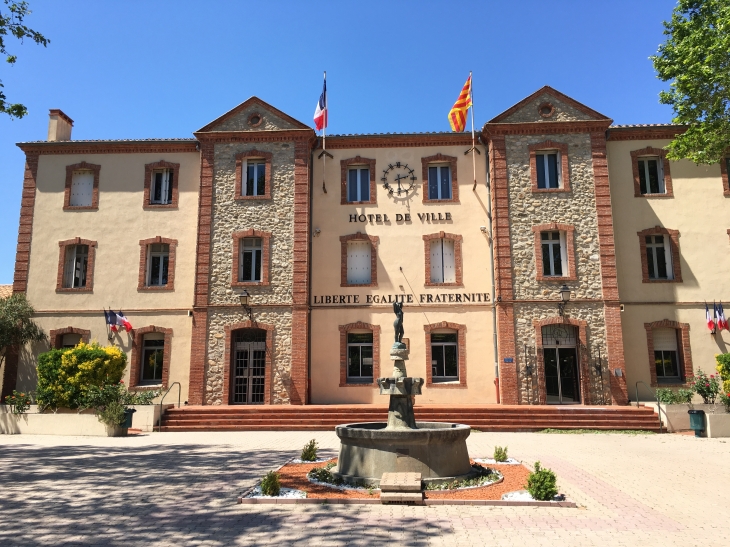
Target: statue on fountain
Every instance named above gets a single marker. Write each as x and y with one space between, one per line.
398 323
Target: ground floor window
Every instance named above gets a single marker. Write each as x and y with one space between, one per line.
666 355
153 350
70 340
360 357
444 357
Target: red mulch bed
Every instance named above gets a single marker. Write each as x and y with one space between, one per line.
294 475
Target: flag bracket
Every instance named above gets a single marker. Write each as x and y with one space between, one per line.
475 149
325 153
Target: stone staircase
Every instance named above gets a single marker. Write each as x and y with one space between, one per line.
481 417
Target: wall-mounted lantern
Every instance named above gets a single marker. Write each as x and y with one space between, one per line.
245 299
564 299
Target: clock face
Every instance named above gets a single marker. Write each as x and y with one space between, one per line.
398 179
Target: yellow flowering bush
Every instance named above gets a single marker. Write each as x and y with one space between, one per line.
65 376
723 367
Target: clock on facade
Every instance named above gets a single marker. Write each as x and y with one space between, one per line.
398 179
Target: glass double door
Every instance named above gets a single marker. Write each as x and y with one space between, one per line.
561 375
248 369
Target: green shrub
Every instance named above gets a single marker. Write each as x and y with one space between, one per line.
542 483
309 452
65 376
270 485
684 396
500 454
705 386
18 402
670 397
323 474
725 400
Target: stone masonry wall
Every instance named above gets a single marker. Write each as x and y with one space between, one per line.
275 215
239 122
281 318
529 113
577 207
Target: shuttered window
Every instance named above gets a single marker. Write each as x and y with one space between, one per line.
358 184
358 262
255 178
651 175
548 173
554 254
82 189
153 351
439 182
444 357
666 358
443 266
659 257
75 266
158 265
250 257
161 187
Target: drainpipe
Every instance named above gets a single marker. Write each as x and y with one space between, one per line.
309 272
491 267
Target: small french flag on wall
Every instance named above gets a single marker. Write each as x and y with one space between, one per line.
721 320
709 319
320 113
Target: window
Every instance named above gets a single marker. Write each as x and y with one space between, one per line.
358 184
658 257
666 358
359 357
554 256
249 268
255 178
82 189
70 340
439 182
75 266
442 261
444 357
153 350
548 169
158 264
651 175
358 262
162 184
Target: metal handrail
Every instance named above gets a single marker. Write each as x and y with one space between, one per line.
658 404
179 391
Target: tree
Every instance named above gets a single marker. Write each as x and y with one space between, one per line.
696 59
11 23
16 330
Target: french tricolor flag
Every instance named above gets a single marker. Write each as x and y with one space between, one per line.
320 113
721 320
122 321
709 319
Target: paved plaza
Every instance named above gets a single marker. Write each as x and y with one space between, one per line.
181 489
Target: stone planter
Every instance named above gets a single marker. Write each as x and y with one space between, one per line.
147 417
63 422
676 418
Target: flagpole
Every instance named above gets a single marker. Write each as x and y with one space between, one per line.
324 135
473 139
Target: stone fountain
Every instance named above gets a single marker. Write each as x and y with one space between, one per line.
436 450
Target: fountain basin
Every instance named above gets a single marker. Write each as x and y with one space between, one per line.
436 450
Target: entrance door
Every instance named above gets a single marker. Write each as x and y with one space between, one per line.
248 367
561 365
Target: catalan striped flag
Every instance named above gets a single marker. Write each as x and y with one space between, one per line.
457 114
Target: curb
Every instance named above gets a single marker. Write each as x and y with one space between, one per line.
376 501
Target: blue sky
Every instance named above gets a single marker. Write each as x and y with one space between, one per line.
165 68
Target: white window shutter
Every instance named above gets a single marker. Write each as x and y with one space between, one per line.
668 256
68 269
660 174
82 187
564 254
665 339
437 272
358 262
449 262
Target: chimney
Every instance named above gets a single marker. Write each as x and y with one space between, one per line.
59 126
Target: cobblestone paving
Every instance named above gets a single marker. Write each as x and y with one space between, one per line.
181 488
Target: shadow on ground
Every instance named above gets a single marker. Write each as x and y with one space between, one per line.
167 494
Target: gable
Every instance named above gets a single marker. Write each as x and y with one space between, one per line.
561 109
254 115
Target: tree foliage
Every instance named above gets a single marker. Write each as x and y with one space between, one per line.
11 24
696 59
16 326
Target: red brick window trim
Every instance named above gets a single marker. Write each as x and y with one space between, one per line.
374 240
241 173
673 236
683 349
265 258
135 364
345 166
63 248
724 164
70 170
636 155
228 362
458 261
567 232
581 349
432 161
149 173
144 255
344 331
461 352
563 165
56 336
